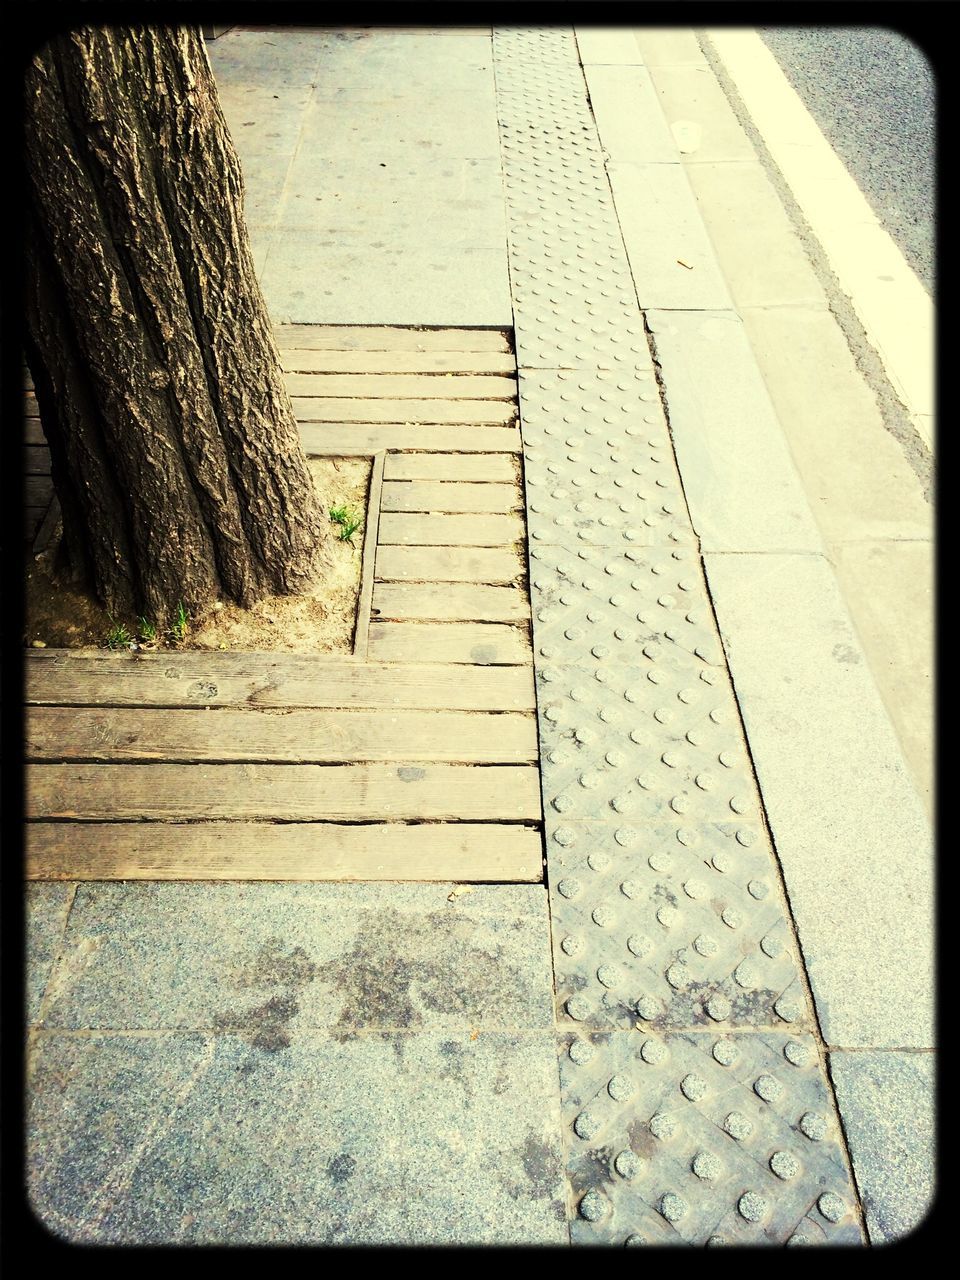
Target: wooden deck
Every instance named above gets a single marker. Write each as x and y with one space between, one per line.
413 759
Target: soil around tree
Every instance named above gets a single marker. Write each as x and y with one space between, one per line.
321 621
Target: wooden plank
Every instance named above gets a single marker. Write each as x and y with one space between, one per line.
479 643
299 361
403 386
37 491
368 561
448 602
30 407
362 441
121 735
317 337
476 468
282 851
497 565
33 432
414 529
291 792
458 412
66 677
36 460
452 496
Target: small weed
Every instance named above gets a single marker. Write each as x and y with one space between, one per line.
349 522
147 630
178 630
118 637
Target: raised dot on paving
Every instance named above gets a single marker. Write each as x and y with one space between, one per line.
752 1206
594 1206
784 1164
672 1206
832 1206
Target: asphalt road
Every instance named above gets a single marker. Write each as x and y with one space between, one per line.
871 91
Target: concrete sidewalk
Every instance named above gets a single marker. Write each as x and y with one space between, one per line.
714 1021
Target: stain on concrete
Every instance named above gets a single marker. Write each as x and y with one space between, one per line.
341 1168
845 653
592 1171
541 1163
265 1027
642 1141
400 968
270 967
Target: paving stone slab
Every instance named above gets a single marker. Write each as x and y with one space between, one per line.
607 45
852 837
703 1139
400 201
265 960
382 1138
256 58
698 116
629 117
764 260
672 259
394 128
887 1100
740 482
46 909
310 282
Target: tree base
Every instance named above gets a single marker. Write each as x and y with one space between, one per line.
63 613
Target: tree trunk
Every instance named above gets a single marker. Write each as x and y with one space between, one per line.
175 453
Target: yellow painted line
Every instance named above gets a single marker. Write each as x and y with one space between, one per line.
893 306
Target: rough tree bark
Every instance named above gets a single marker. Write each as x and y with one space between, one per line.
175 452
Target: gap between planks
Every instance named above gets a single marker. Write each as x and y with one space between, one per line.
368 561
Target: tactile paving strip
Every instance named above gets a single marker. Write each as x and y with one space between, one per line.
575 307
697 1105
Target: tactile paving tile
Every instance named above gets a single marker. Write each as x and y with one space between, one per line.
703 1138
598 458
594 606
614 745
665 926
667 906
